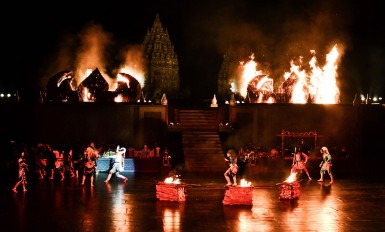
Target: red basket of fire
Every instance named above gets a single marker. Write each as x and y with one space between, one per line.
170 190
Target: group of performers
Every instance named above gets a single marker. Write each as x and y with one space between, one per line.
57 163
88 164
298 166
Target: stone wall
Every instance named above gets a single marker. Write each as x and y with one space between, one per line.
360 128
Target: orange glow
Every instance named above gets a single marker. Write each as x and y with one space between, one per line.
172 180
320 83
245 183
317 84
291 178
86 95
118 98
171 220
249 72
324 79
135 72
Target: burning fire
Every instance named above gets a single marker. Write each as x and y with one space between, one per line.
87 97
249 72
316 85
245 183
172 180
133 71
291 178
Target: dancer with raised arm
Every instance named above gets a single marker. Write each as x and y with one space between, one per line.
118 164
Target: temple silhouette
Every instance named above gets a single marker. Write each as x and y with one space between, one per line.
161 76
198 135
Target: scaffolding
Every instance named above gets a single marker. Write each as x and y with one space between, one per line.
300 135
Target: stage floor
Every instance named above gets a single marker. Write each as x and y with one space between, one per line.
350 204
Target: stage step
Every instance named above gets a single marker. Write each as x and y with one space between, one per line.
201 144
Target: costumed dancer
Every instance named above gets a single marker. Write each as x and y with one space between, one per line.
326 165
89 161
69 164
299 163
118 164
59 164
22 178
231 172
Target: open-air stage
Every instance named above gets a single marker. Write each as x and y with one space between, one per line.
352 203
355 202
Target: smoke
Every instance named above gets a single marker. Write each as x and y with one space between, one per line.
133 62
92 54
61 60
275 33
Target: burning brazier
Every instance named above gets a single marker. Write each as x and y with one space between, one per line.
238 196
170 192
289 190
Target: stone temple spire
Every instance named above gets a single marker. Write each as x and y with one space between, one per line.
162 74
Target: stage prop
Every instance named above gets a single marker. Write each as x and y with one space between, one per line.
236 195
289 190
170 192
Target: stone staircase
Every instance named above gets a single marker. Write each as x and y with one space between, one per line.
201 143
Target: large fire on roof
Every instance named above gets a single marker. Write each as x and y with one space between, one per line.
316 85
94 88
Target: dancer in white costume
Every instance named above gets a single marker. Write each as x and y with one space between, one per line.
118 164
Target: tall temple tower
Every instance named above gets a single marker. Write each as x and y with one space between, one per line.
162 74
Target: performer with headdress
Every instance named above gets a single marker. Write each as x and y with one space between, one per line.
89 164
59 163
231 172
326 165
118 164
299 164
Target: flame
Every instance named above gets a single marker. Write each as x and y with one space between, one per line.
133 71
121 78
317 84
245 183
320 83
249 72
172 180
298 93
265 85
291 178
118 98
326 90
87 96
82 74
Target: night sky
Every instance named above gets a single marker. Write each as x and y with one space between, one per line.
40 40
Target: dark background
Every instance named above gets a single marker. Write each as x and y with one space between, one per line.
37 37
